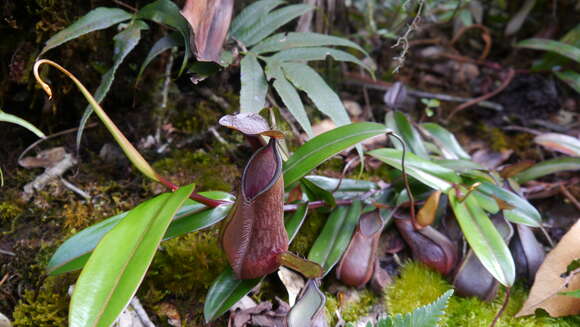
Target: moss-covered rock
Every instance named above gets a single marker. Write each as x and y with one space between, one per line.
418 285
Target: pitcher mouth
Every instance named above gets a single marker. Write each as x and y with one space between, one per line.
254 183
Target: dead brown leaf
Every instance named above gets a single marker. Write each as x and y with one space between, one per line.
549 281
210 21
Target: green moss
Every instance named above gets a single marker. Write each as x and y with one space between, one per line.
419 285
47 307
209 171
308 233
355 310
351 311
187 265
198 119
425 284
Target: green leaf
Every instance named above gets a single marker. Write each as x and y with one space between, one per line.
192 216
5 117
560 48
118 264
268 24
284 41
548 167
289 96
316 53
163 44
294 221
226 290
97 19
166 12
408 133
523 212
254 85
446 141
459 165
326 100
482 236
551 60
324 146
488 203
335 236
571 78
315 193
125 42
426 316
346 185
425 171
247 17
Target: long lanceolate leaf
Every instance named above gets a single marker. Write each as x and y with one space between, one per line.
548 167
326 100
335 236
324 146
226 290
165 43
522 213
125 42
316 53
247 17
483 238
118 264
289 96
401 125
192 216
268 24
254 85
425 171
560 48
5 117
166 12
284 41
446 140
96 19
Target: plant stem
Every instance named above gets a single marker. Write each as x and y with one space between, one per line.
503 306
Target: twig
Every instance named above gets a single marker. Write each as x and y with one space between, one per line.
569 196
356 79
36 143
4 279
404 40
504 84
503 307
49 174
75 189
122 4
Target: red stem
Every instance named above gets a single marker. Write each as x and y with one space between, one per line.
212 203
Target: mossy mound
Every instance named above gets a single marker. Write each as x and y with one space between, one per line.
418 285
